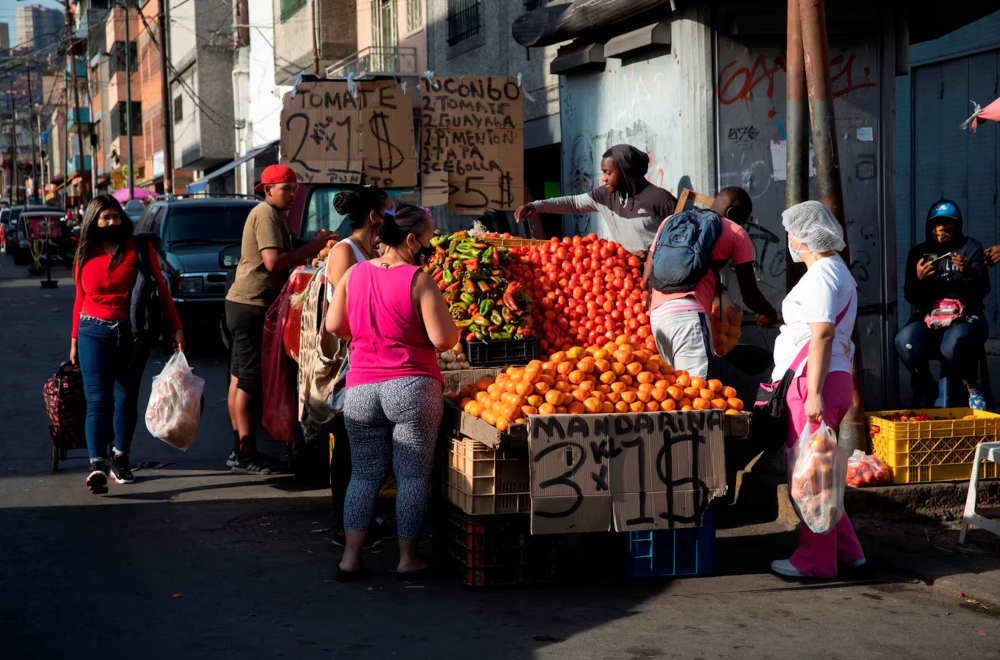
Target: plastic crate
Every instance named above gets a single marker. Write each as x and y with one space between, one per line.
483 481
497 551
678 552
502 353
937 450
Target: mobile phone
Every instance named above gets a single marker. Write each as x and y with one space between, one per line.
936 259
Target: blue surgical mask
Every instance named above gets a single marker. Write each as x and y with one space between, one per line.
796 257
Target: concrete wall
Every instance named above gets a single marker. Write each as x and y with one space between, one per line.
264 120
405 38
293 38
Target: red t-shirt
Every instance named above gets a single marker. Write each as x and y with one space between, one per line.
733 244
104 294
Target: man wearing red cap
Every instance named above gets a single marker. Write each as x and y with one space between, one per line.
269 253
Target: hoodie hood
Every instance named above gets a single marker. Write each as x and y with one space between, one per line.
632 165
945 209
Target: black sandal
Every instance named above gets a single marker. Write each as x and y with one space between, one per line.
351 576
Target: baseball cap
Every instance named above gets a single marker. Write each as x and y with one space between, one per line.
945 209
275 174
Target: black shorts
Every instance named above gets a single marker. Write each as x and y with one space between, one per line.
246 326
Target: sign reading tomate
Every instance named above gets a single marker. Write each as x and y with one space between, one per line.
472 143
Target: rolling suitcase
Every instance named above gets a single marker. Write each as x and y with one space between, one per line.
66 406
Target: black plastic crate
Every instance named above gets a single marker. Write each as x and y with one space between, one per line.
502 353
495 551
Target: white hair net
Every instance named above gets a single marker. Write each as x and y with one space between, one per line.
813 224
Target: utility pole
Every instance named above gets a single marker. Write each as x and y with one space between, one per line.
41 151
797 121
31 124
65 134
165 104
13 143
853 431
128 105
315 29
76 92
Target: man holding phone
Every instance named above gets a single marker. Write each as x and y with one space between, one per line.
948 266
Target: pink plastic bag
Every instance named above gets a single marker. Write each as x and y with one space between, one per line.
817 474
280 417
866 470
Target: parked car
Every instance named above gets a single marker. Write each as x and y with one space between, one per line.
134 209
189 233
15 236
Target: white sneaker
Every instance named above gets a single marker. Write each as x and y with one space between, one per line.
857 563
784 567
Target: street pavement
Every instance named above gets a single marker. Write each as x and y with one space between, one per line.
193 562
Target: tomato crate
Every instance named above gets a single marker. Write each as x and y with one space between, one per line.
483 481
496 551
671 553
502 353
937 450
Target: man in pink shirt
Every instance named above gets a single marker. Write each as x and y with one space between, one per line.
680 320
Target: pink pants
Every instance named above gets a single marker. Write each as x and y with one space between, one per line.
819 554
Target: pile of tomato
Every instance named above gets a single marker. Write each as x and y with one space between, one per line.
587 292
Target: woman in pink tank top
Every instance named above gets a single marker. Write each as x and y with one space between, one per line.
394 316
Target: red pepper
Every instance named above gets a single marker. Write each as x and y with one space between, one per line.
454 287
438 275
471 337
496 258
472 264
440 285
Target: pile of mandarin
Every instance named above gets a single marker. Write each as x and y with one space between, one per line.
619 378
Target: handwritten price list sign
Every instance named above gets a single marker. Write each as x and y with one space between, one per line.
593 473
472 144
329 135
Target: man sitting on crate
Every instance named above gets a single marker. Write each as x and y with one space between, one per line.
680 317
631 206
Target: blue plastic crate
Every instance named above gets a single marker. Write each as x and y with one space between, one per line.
679 552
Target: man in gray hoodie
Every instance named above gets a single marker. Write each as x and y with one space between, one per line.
632 207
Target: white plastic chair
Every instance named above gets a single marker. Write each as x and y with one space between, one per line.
985 451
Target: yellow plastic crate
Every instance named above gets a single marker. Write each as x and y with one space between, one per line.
483 481
938 450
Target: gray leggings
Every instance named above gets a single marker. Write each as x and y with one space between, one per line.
398 421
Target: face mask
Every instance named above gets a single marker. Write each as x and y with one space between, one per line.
423 254
796 257
114 233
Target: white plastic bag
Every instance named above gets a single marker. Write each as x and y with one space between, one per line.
174 408
866 470
817 476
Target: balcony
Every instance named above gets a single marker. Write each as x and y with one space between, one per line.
375 60
72 124
74 165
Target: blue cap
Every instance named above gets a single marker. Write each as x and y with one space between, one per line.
944 209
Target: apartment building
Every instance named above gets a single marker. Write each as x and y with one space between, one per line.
38 27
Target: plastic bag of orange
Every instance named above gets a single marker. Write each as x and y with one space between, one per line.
817 475
725 321
866 470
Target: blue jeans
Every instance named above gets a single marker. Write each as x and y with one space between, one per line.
111 364
958 347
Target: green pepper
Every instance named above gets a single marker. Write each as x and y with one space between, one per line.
453 246
469 253
449 277
480 320
468 298
438 240
510 328
464 324
458 311
496 317
480 335
486 307
500 336
508 315
485 287
487 257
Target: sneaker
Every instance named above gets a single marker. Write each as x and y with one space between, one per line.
233 459
857 563
371 541
97 480
784 567
256 464
120 469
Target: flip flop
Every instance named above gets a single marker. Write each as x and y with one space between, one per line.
351 576
418 575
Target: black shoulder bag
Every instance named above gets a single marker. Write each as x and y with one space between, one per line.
145 313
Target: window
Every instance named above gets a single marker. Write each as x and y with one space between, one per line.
321 215
532 5
414 15
463 20
206 224
178 109
116 58
290 7
118 123
383 27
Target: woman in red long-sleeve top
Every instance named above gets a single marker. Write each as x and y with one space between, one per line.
111 359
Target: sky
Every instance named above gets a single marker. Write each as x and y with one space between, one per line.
7 8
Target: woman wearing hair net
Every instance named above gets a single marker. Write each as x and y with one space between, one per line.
815 342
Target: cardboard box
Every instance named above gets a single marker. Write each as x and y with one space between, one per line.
642 471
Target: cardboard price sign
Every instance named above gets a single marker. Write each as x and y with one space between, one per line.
472 131
593 473
330 136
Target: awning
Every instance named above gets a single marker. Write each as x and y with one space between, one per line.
201 185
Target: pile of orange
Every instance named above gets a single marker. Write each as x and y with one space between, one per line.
619 378
725 322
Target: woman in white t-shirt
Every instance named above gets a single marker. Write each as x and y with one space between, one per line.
815 342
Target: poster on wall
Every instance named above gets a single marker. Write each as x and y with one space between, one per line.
472 136
333 132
